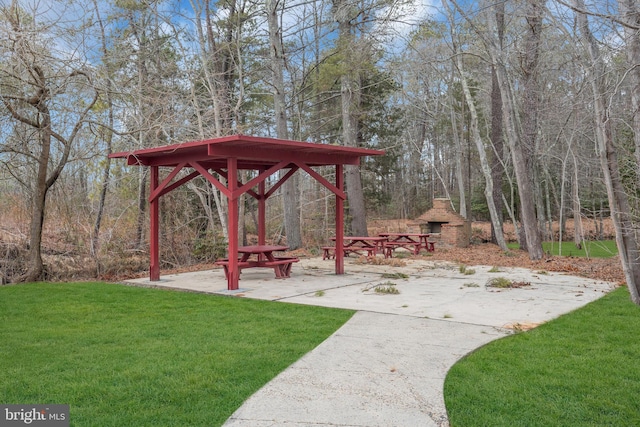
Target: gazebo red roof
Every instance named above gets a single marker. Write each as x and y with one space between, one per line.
252 152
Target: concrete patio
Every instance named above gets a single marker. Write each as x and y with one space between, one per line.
386 366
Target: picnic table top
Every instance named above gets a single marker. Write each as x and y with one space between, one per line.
404 234
372 238
260 249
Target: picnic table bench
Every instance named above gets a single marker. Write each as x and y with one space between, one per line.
263 257
389 247
355 244
414 242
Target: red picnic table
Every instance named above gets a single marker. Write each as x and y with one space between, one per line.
412 241
356 244
256 256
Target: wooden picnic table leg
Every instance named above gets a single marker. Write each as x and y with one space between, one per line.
278 271
388 252
283 271
369 248
286 269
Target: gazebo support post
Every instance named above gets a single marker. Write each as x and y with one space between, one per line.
154 232
262 214
232 184
339 221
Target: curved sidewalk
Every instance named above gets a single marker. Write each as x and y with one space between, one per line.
386 366
377 370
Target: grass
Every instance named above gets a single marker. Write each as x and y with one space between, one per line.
499 282
592 249
395 276
127 356
387 288
466 270
578 370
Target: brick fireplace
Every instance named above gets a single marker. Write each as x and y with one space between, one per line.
445 225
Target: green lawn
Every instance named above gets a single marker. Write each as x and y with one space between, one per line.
592 249
128 356
578 370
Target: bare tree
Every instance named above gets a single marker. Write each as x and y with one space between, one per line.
630 16
497 126
578 231
106 132
291 196
35 87
484 162
607 152
219 33
524 148
458 144
512 125
346 12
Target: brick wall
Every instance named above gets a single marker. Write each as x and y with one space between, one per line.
457 235
455 229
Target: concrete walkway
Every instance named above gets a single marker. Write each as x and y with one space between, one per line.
386 366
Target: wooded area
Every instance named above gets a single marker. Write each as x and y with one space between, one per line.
525 111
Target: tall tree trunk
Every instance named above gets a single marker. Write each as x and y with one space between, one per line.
350 103
34 98
475 134
410 183
36 266
218 58
524 178
143 86
578 233
484 162
217 96
291 194
618 200
207 46
353 182
459 149
524 152
497 139
108 138
630 14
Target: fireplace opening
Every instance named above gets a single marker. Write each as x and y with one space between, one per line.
433 227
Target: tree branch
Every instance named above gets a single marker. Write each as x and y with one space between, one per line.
18 116
612 18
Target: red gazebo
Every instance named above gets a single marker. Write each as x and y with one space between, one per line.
226 156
